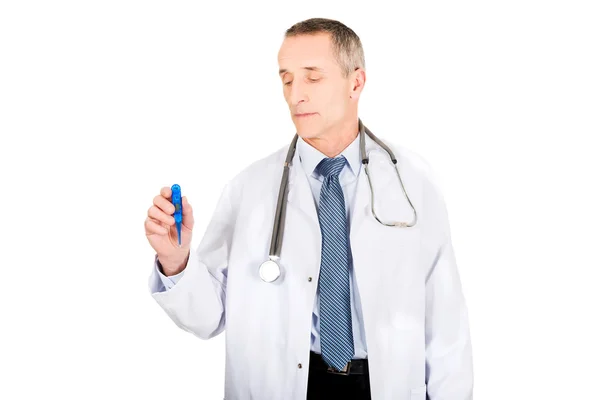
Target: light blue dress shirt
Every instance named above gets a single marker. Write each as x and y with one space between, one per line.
309 159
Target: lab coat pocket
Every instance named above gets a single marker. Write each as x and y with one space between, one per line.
418 393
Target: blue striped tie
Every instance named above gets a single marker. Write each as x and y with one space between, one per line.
337 343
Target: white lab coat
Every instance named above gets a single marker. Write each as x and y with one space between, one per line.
415 317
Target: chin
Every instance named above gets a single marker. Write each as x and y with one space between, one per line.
306 130
307 127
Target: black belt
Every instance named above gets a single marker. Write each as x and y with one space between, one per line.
354 367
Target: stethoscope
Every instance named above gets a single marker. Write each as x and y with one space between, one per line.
270 271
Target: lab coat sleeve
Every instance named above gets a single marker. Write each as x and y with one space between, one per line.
195 299
449 365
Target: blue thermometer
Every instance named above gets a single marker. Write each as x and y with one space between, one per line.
176 200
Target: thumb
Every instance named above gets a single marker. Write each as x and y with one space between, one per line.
187 213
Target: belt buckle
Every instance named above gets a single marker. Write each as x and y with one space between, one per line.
344 371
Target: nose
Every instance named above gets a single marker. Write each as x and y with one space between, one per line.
297 92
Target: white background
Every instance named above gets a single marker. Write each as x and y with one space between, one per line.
103 103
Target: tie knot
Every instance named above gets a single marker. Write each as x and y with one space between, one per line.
331 166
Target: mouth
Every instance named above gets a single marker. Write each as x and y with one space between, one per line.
304 115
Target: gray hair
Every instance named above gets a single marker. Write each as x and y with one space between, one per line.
347 47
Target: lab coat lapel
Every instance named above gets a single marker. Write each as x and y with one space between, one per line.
299 192
361 199
302 232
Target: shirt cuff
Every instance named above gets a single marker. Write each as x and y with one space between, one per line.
167 281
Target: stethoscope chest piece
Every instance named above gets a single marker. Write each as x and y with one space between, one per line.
269 271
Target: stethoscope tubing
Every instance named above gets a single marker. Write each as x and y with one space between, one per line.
271 267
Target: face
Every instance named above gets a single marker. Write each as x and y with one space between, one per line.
320 99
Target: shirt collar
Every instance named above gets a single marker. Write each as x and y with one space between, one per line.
311 157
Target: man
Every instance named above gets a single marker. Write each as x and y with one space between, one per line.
362 310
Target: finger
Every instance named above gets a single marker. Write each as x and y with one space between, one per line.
187 212
164 205
152 227
158 214
186 207
166 192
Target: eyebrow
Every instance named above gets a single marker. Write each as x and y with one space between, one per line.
283 70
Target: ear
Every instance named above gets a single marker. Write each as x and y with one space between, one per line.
358 79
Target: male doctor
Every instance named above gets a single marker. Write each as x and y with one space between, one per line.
361 310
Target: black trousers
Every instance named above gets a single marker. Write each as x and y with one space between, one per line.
327 386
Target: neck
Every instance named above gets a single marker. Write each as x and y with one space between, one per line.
333 143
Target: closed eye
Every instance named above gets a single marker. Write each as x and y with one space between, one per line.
311 80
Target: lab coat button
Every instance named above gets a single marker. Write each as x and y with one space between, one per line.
299 365
310 278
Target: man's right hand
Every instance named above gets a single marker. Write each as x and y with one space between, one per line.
161 232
